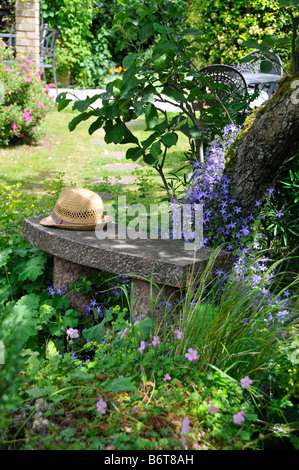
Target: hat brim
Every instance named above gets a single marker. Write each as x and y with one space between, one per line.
49 222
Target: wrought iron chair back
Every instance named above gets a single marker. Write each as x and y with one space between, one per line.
257 57
48 38
227 82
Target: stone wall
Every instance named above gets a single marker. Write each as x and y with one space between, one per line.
27 31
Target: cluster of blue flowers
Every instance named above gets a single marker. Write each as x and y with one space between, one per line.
223 222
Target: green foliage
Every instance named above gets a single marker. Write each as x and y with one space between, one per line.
278 43
225 26
24 101
160 70
280 223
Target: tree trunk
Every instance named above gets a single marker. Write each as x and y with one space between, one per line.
261 151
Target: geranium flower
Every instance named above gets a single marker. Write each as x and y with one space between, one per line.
192 355
101 406
238 418
27 116
246 382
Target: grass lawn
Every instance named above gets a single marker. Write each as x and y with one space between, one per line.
82 158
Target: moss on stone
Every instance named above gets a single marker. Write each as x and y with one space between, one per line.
284 89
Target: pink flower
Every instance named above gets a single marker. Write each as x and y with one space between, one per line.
185 429
48 87
142 347
27 116
123 333
24 64
101 406
166 377
246 382
178 333
22 135
238 418
156 341
72 333
191 355
6 68
28 79
14 127
3 44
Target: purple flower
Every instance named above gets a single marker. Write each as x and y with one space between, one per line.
156 341
142 347
72 333
279 214
166 377
101 406
178 333
185 429
238 418
213 409
191 355
246 382
123 333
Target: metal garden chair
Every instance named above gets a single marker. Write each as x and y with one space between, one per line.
48 38
230 87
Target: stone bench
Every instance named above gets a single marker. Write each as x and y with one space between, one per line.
78 253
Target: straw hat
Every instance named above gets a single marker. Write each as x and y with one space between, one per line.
77 209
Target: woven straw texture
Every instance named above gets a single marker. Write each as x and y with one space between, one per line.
79 205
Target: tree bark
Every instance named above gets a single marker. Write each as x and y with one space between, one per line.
262 151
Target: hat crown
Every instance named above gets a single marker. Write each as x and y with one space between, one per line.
79 205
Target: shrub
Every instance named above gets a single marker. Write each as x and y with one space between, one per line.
24 101
226 25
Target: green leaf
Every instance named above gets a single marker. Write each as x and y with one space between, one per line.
266 66
95 333
155 150
51 351
97 124
114 132
83 105
134 153
146 143
169 139
162 29
4 256
151 116
121 384
129 60
63 104
191 32
32 268
145 326
146 31
74 122
70 319
174 94
149 159
40 391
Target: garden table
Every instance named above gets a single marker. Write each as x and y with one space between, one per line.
257 80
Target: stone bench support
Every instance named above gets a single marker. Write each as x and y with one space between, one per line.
78 253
